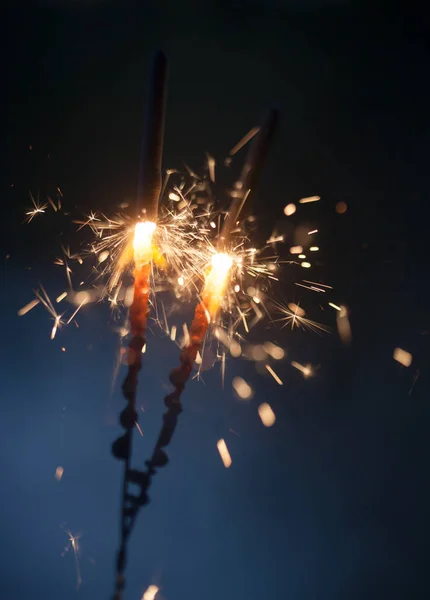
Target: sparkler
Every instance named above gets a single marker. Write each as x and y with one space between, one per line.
206 312
148 196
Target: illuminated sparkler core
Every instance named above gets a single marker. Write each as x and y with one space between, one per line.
142 245
142 242
216 282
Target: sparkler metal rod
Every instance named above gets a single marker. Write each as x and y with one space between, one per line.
149 187
250 172
132 503
148 195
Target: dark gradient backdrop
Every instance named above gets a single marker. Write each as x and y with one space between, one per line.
332 502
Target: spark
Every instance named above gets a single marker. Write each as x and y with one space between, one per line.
335 306
306 265
414 380
138 428
296 249
61 297
59 473
274 351
266 414
43 297
274 375
296 319
313 249
403 357
74 544
343 326
150 593
313 231
25 309
305 369
290 209
211 167
341 208
318 284
309 199
38 209
84 301
248 137
242 389
224 453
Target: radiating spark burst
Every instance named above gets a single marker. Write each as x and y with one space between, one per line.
293 315
74 545
38 208
43 297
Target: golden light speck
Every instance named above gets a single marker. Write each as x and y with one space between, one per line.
290 209
224 453
403 357
59 473
341 208
306 265
150 593
266 414
242 389
296 249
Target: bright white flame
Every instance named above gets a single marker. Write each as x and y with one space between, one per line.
221 263
142 242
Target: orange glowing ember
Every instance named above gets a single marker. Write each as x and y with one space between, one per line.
142 246
206 311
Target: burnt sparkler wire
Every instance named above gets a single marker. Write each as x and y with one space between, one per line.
148 194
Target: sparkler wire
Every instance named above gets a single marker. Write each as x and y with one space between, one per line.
148 196
250 172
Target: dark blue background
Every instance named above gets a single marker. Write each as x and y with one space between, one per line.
331 502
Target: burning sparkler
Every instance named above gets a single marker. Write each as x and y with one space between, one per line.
148 195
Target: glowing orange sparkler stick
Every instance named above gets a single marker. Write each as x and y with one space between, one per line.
207 310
